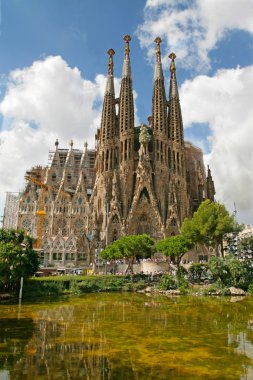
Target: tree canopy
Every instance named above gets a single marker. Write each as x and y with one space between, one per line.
174 247
17 258
208 225
129 247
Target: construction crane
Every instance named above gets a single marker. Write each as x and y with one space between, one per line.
41 213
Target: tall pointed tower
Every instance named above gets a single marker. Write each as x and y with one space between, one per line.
161 148
210 189
108 123
107 157
126 132
178 189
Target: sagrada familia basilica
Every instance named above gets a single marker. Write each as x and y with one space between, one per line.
138 179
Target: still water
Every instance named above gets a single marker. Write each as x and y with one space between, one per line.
127 336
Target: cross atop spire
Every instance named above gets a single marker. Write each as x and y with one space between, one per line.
158 49
111 53
127 39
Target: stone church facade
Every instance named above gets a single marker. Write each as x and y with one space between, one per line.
138 179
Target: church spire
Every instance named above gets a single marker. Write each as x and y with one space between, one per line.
126 102
159 103
126 129
108 120
126 71
158 66
176 131
173 89
210 189
110 80
160 131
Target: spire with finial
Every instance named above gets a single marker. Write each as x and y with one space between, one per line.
159 102
110 83
176 131
158 49
158 66
71 143
126 128
126 71
172 56
210 189
173 82
111 53
108 113
56 144
126 103
127 39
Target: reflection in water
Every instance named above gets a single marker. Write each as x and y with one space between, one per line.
14 335
125 336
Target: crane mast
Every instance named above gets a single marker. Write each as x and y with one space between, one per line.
41 213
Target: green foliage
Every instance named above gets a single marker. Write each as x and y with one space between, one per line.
183 288
230 272
213 289
168 282
209 224
175 247
198 271
250 288
54 286
219 270
246 246
17 258
129 248
33 288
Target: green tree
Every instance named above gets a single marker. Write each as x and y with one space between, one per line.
174 247
219 270
111 253
17 258
208 225
129 247
230 271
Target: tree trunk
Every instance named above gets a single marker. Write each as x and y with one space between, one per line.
216 249
222 249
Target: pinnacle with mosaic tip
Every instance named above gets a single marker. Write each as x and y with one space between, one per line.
158 48
172 56
111 53
127 39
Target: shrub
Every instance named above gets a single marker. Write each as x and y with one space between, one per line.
250 288
230 272
198 271
168 282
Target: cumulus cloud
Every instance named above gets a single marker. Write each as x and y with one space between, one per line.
192 28
53 97
45 101
224 102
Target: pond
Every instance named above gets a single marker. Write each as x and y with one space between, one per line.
127 336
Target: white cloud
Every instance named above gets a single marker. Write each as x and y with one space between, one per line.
53 96
45 101
224 101
192 29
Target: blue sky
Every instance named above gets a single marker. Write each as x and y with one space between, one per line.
53 61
